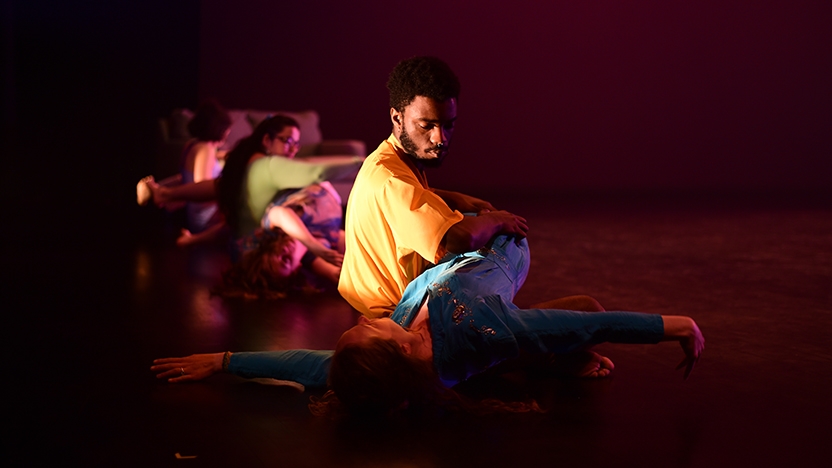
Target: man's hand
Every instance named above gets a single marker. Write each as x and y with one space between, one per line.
474 232
509 224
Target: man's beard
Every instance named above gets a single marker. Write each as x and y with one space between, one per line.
412 150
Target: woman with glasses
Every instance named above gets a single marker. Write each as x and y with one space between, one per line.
262 165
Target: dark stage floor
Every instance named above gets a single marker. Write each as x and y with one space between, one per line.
756 273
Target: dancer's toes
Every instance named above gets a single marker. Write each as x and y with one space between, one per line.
596 366
581 364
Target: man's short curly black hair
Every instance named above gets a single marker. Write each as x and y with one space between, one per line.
421 76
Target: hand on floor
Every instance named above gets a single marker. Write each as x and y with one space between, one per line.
187 369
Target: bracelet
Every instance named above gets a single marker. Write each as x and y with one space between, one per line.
226 358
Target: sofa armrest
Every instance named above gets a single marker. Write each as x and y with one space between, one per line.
341 147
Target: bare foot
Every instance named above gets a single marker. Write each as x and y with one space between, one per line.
185 238
582 364
143 193
596 367
149 190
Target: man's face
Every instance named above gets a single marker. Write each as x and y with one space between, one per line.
425 128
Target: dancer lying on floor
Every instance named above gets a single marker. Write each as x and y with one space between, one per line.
300 233
455 320
258 168
299 246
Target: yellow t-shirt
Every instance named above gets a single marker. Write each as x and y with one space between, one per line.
394 227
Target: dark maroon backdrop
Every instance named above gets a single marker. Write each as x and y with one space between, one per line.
560 95
600 94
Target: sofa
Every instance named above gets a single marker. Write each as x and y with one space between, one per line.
173 134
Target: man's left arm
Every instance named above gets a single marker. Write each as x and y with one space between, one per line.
463 203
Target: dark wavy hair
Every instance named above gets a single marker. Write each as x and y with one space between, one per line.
250 278
421 76
376 379
210 121
230 182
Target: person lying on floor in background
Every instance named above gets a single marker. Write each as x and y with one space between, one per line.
454 321
256 171
298 247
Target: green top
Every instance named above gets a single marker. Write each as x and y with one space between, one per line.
269 175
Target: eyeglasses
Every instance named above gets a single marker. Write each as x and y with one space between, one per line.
288 140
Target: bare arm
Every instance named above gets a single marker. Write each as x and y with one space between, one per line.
196 192
474 232
462 202
286 219
299 173
204 163
325 270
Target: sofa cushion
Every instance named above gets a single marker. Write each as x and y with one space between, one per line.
310 132
243 123
240 128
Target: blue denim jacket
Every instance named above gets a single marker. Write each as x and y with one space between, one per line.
474 324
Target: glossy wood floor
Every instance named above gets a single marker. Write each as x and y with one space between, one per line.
85 318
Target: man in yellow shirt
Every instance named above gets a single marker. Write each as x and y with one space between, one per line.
396 225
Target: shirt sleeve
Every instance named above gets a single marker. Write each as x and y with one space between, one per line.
418 218
565 331
307 367
293 173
